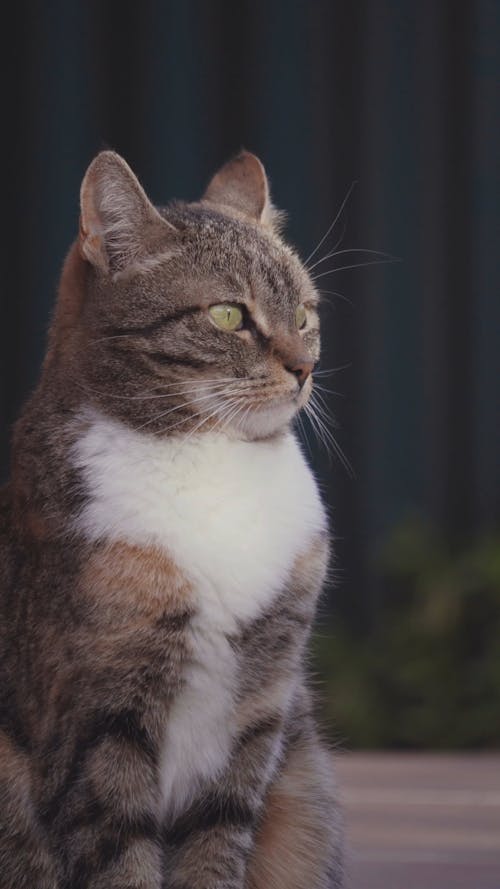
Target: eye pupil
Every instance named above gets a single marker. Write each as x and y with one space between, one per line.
226 316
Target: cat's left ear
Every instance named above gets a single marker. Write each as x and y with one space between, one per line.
119 226
241 188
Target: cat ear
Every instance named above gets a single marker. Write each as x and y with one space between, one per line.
119 225
241 186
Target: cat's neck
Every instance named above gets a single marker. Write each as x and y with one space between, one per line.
228 511
60 435
126 470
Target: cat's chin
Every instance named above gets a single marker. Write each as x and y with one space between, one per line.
265 422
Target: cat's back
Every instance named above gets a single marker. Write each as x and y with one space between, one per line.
6 545
7 581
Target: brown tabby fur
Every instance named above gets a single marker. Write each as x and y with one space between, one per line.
93 642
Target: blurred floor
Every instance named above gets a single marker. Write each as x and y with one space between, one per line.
422 821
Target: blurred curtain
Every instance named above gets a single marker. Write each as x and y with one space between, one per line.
399 96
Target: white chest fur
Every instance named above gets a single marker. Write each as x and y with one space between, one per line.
234 516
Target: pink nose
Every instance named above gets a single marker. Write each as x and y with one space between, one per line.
301 369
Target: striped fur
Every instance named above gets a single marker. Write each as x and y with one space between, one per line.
159 573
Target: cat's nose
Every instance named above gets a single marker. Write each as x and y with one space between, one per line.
302 368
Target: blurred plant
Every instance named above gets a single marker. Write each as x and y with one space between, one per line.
428 673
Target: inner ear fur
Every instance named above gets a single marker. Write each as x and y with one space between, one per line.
118 223
241 188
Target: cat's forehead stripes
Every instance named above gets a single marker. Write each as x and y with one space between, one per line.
255 258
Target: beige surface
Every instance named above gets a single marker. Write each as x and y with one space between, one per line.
422 821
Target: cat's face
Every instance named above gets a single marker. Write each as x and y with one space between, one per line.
197 316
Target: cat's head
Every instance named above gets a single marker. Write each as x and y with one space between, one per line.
195 316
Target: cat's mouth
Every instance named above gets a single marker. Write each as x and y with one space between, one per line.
267 420
251 410
264 416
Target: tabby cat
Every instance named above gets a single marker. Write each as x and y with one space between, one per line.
162 546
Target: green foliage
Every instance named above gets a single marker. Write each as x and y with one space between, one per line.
428 673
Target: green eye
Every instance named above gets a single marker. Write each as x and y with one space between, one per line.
300 317
227 316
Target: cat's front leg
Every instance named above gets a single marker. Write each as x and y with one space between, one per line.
100 754
209 846
26 860
103 813
299 840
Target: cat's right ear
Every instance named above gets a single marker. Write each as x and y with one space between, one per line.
241 187
119 225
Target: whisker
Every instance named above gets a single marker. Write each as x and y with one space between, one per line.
178 407
333 224
319 431
323 410
244 416
322 418
303 433
105 339
201 413
335 293
202 384
244 407
234 415
316 430
347 250
342 236
328 391
200 424
357 265
329 372
227 411
213 387
320 424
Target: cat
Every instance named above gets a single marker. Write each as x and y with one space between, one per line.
162 548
